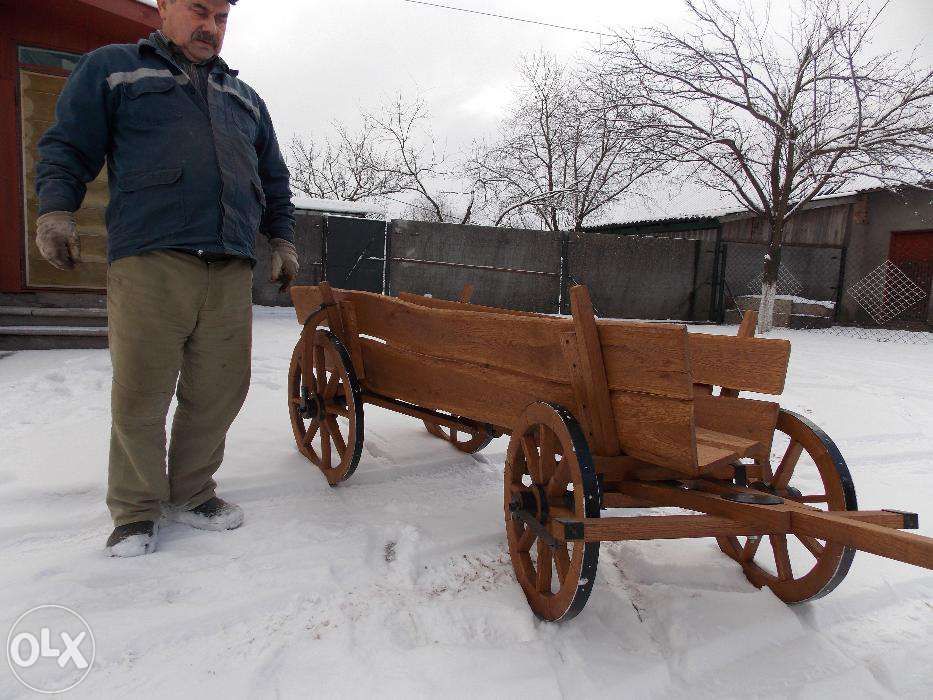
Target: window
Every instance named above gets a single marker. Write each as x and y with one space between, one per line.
49 59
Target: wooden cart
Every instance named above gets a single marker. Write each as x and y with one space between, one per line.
602 414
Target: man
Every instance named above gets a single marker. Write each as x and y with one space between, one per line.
194 171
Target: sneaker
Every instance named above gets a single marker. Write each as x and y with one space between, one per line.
213 514
133 539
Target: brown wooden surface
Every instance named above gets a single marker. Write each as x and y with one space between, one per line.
483 394
526 345
747 419
656 429
434 303
746 364
647 358
592 365
668 527
797 518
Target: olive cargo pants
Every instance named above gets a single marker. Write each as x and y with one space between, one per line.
174 320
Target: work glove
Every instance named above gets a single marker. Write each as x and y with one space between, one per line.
284 262
57 239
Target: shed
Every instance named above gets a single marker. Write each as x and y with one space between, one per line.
864 254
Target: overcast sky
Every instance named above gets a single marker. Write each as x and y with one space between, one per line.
315 61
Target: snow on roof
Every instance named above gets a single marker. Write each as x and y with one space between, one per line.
333 206
687 209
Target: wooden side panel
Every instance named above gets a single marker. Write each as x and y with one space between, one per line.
435 303
516 344
656 429
746 364
746 418
647 358
483 394
306 300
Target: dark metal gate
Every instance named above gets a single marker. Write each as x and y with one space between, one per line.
355 253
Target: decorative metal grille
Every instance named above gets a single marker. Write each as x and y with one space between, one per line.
886 293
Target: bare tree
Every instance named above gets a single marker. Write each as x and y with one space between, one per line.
772 117
351 168
393 152
561 152
416 162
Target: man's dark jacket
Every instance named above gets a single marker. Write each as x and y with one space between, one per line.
183 172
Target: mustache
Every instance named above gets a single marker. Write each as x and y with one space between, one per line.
206 37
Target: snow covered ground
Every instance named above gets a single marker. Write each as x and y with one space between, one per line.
399 584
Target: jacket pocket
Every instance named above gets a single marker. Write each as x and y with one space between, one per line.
150 207
152 101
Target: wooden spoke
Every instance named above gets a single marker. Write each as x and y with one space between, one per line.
812 544
544 567
751 547
335 435
325 447
532 459
782 557
320 369
549 446
294 400
558 583
527 539
786 469
562 560
313 427
332 385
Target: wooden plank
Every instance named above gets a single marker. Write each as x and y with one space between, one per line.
479 393
748 325
647 358
518 344
745 364
739 445
466 293
435 303
750 419
798 518
866 536
306 298
589 350
568 343
671 527
418 412
656 429
352 338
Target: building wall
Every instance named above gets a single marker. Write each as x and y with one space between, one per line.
874 218
75 26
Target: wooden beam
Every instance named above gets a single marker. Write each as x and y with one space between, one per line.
594 369
674 527
798 518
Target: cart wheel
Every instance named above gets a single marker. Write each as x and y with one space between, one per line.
464 440
327 417
811 470
549 473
